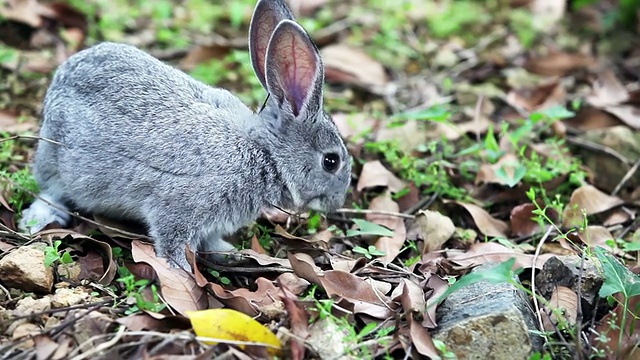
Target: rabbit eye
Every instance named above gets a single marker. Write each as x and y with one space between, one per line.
331 162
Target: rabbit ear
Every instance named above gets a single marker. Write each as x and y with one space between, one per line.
294 69
266 16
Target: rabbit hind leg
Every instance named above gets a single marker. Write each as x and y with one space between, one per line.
45 210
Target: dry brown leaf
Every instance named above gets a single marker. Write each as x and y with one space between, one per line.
454 131
408 136
249 302
374 174
487 252
347 264
299 322
619 216
351 287
23 11
537 98
607 90
590 200
438 287
203 53
265 259
522 220
558 64
488 173
349 65
293 283
594 235
389 245
12 123
590 118
178 287
421 339
610 95
352 126
564 300
486 223
304 266
436 229
412 298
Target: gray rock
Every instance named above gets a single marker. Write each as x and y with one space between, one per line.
566 271
488 321
24 269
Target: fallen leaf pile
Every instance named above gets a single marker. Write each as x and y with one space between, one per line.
480 135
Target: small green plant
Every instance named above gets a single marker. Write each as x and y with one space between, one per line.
133 289
53 254
369 252
443 350
367 228
313 222
619 279
222 279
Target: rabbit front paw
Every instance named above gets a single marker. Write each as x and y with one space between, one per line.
40 214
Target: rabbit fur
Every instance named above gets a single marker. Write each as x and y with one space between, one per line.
144 141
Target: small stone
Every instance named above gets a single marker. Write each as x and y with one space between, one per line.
29 306
24 269
25 330
328 339
68 297
488 321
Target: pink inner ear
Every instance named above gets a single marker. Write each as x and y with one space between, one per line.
263 33
297 67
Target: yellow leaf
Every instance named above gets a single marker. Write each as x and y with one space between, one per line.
228 324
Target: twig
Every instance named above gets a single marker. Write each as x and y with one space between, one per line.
374 212
597 147
99 348
33 137
76 214
626 178
533 277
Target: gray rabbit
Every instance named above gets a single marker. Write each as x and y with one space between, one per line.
146 142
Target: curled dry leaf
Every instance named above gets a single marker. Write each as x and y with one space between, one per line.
589 200
293 283
436 229
389 245
421 339
242 299
178 287
594 235
537 98
265 259
522 220
488 252
374 174
558 64
590 118
564 301
349 65
486 223
610 95
299 320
